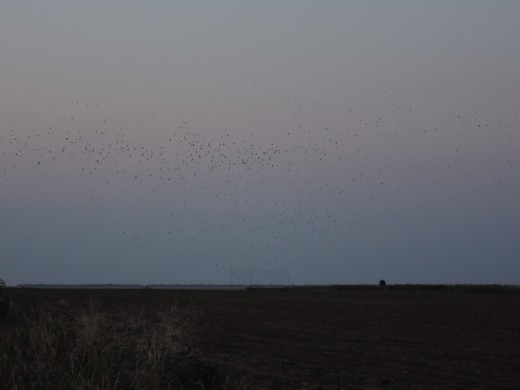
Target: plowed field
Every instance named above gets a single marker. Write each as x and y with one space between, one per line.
339 338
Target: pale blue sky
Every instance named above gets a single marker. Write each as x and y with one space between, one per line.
334 141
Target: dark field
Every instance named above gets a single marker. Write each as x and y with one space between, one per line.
335 337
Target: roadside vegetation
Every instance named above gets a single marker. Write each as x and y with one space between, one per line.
54 346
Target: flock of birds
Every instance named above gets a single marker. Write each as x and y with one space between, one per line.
264 196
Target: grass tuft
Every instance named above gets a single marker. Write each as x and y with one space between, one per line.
52 346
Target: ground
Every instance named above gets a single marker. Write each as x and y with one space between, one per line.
366 338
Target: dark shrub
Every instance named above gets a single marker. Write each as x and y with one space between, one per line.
4 300
382 283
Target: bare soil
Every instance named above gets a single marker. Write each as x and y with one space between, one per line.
329 338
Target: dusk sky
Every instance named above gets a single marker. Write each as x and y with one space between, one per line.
330 142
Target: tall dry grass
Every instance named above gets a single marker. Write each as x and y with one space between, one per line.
58 347
4 300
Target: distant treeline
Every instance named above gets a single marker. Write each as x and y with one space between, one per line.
473 288
128 286
80 286
458 287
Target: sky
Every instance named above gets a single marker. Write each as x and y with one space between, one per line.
264 142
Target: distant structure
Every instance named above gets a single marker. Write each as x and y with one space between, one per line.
254 276
382 283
